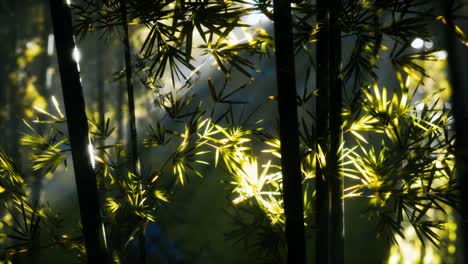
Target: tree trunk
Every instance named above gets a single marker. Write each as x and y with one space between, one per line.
289 132
78 132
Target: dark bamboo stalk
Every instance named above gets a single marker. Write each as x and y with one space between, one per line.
16 90
78 132
135 159
335 182
45 59
9 84
7 61
120 111
130 93
289 132
36 186
100 88
457 72
330 238
9 66
322 108
120 94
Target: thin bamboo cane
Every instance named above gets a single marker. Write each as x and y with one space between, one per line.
135 159
100 88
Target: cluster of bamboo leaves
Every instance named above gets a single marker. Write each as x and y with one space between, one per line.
173 26
397 149
27 225
403 160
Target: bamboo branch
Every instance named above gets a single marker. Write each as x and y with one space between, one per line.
77 123
289 132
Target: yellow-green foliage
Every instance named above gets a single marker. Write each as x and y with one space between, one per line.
32 98
31 51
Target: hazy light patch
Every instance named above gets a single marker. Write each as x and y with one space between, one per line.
238 36
255 19
247 34
196 71
77 57
441 55
31 45
417 43
419 106
91 155
76 54
49 75
233 39
428 44
410 251
50 45
394 259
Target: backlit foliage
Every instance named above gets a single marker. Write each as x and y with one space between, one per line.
23 222
397 149
411 170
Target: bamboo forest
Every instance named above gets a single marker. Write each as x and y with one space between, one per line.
234 131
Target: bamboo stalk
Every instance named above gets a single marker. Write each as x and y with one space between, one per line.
16 88
45 60
289 132
135 159
322 126
120 111
36 186
130 93
335 182
100 89
78 132
459 97
120 98
329 183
